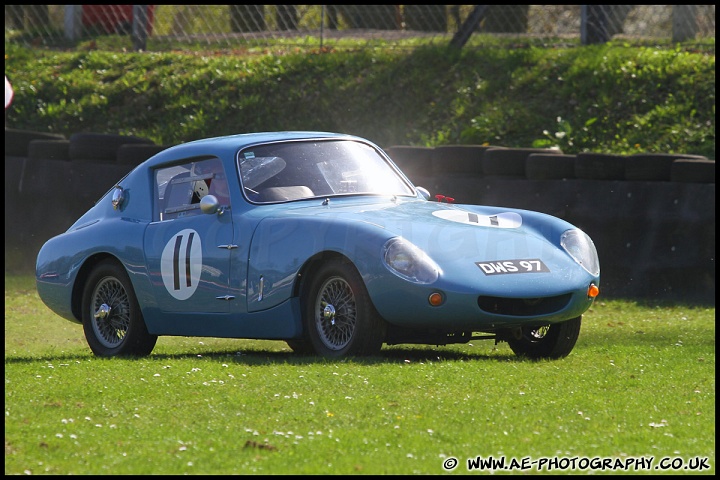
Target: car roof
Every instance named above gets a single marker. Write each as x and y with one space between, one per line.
229 145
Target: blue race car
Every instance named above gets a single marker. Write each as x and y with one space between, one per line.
317 239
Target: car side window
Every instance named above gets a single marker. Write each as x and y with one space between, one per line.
179 189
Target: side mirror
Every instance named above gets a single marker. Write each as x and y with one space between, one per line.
118 197
209 204
423 193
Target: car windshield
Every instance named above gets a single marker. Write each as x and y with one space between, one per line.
305 169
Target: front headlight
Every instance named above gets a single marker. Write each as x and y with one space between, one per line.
409 262
582 249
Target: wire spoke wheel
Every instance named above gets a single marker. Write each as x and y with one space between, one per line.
336 313
537 334
110 312
112 320
338 316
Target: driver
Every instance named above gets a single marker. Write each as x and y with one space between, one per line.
215 184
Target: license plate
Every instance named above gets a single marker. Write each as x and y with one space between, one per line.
504 267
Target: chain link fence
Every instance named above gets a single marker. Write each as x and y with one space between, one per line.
222 27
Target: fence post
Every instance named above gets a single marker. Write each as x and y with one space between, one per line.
469 25
684 22
73 22
139 27
593 24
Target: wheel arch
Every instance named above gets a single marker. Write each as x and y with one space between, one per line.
311 265
81 279
361 330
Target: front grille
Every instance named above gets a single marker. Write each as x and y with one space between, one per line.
523 307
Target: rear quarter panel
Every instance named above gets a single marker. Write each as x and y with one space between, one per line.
101 232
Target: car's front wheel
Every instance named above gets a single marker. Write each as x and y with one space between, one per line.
548 341
111 316
338 314
301 347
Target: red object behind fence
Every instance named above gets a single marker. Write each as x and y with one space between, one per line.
113 18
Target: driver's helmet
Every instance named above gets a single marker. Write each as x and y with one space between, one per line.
201 188
212 170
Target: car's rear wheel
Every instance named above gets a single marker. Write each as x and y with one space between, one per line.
111 316
548 341
338 314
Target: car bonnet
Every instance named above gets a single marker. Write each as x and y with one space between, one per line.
451 233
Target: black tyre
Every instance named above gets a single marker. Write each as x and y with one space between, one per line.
458 159
653 166
101 147
599 166
49 150
544 166
693 171
17 141
301 347
134 154
339 318
547 341
112 321
510 162
415 162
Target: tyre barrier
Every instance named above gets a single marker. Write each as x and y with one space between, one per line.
599 166
412 160
543 166
459 159
510 162
101 147
694 171
17 141
653 166
49 149
14 170
133 154
415 162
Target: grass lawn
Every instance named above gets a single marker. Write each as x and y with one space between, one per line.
639 387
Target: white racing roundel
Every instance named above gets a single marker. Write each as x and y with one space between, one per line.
181 264
500 220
